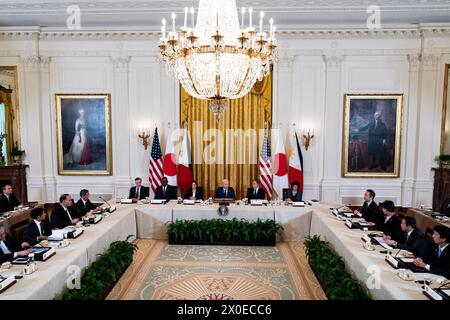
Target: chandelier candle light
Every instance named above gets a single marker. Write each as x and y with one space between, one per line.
216 59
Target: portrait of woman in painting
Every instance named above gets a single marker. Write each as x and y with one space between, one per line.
79 152
84 138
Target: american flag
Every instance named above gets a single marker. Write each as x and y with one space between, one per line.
156 163
265 171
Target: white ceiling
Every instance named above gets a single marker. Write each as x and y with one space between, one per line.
288 14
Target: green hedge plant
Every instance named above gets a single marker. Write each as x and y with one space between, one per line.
223 231
99 279
330 270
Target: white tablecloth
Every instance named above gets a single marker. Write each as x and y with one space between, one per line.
359 261
296 222
198 212
152 220
50 279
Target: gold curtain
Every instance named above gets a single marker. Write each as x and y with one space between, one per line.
6 99
232 150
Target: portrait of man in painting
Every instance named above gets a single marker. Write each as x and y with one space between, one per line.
83 134
372 126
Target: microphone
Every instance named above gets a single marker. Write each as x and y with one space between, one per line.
397 253
105 201
110 208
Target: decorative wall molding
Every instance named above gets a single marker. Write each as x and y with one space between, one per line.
120 62
414 60
333 62
151 34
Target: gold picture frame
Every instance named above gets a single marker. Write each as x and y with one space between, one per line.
445 126
83 126
372 143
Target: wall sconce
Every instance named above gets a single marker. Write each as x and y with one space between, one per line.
144 134
307 137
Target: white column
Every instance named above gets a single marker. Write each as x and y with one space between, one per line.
31 127
282 88
410 109
332 128
121 123
49 191
423 189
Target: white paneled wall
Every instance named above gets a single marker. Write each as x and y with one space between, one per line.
311 76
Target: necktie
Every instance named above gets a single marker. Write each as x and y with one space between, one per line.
225 192
137 192
439 252
164 191
42 229
254 193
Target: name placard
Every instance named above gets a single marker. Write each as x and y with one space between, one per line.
48 254
349 224
431 293
366 238
391 260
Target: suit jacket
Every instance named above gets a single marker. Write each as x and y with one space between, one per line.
416 243
145 192
12 245
32 232
445 208
59 218
8 205
391 227
82 208
440 265
170 194
198 193
261 195
220 194
376 136
372 213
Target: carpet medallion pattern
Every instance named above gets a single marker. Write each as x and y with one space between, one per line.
177 272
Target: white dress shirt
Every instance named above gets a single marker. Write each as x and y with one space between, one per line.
38 226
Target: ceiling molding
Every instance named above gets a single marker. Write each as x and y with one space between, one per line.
108 35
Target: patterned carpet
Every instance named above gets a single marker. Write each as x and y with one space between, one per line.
168 272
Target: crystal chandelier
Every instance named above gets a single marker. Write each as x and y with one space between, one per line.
216 59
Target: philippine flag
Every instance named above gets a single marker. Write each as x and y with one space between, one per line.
295 161
184 163
280 172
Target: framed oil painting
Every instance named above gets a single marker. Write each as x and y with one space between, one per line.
372 135
84 134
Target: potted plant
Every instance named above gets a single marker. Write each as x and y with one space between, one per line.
17 154
444 161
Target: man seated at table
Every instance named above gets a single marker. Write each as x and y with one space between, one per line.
439 262
84 205
445 208
194 192
255 192
391 223
37 229
63 213
294 194
9 249
8 200
225 191
411 239
139 191
165 191
370 211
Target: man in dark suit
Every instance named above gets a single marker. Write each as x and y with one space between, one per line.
165 191
439 262
139 191
37 229
9 249
370 211
225 192
256 192
84 205
63 213
377 140
8 200
391 223
445 208
412 239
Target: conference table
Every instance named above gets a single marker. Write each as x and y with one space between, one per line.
150 221
425 222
